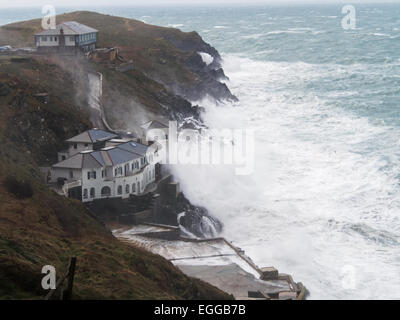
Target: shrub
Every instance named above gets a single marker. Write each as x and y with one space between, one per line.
20 189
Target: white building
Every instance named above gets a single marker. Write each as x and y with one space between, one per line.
98 165
156 126
67 36
88 140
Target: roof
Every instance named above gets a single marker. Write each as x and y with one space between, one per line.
119 156
92 136
153 124
69 28
134 147
109 156
79 161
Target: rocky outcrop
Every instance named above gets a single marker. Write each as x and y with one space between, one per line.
195 220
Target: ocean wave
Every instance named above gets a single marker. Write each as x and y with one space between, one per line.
314 161
285 32
379 34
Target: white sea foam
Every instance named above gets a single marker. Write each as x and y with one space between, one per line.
207 58
285 31
322 204
175 25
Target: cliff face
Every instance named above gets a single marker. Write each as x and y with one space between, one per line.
38 227
166 55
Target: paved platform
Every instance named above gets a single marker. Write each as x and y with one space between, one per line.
215 261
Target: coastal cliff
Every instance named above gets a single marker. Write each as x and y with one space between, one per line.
166 55
39 227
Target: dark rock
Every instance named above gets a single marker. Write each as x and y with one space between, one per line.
219 74
4 89
197 220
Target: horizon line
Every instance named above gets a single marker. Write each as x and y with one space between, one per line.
207 4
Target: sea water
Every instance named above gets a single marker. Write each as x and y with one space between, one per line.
323 202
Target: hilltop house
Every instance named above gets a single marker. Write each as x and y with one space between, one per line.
98 164
68 36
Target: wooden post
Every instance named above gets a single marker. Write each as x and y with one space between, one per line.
69 275
70 279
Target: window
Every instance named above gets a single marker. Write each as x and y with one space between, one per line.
115 172
133 187
88 175
92 192
127 188
86 144
55 38
137 164
84 193
75 146
133 166
138 187
63 158
105 191
102 173
119 190
94 174
44 38
120 170
71 39
71 174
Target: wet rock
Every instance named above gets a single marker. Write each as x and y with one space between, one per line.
196 220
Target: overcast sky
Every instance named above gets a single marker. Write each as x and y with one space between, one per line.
93 3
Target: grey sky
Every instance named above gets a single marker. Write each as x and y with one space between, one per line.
81 3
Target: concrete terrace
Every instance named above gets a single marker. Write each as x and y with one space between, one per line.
215 261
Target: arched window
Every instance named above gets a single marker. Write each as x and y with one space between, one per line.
138 187
119 190
127 188
105 192
133 187
92 192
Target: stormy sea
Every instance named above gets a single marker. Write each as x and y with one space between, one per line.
323 201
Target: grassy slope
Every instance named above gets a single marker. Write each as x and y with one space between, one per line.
47 228
164 54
